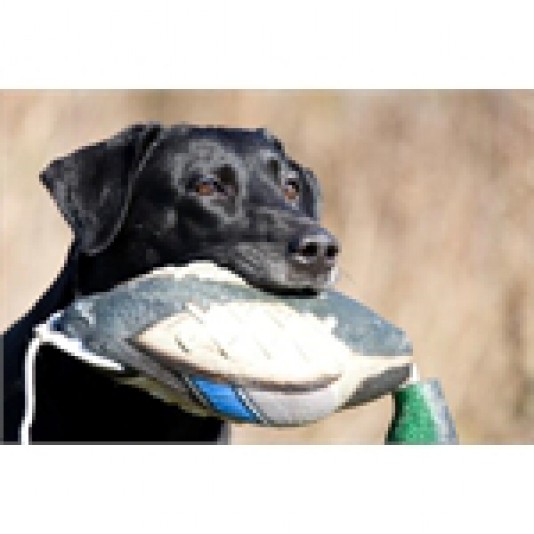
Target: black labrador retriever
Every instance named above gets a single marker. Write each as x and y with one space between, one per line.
152 196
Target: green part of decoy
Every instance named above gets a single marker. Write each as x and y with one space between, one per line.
421 416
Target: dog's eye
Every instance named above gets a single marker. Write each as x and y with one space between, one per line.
207 185
221 182
291 190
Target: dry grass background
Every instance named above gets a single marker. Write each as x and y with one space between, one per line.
430 192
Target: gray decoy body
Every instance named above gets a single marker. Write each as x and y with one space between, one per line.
199 336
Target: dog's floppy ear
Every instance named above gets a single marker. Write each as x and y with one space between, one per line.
92 186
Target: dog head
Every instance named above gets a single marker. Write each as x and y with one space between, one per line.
153 195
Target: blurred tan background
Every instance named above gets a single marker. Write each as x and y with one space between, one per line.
430 192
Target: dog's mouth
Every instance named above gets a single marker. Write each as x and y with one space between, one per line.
294 284
268 267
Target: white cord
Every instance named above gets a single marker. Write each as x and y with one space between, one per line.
29 361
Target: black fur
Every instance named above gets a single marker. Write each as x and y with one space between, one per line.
153 196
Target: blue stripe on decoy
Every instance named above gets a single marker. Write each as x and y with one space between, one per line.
224 399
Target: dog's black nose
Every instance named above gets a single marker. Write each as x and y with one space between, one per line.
317 248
